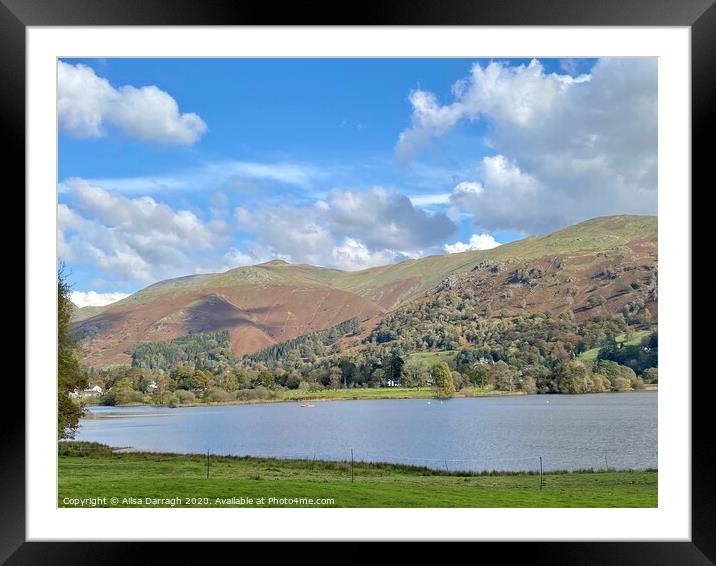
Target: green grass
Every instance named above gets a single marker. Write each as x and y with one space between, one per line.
360 393
357 393
382 393
93 471
434 358
636 338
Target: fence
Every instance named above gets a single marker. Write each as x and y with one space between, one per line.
534 464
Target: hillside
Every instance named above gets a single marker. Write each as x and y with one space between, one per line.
588 266
83 313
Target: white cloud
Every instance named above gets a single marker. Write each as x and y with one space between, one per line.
348 230
294 233
237 258
517 95
385 219
95 299
468 188
566 148
353 254
476 242
507 199
429 119
132 239
87 102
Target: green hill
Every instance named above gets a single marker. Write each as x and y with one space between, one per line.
273 302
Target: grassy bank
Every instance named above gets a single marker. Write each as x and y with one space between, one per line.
386 393
357 393
166 480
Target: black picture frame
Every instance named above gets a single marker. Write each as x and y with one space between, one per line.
699 15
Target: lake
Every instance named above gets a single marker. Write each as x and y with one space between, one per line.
616 430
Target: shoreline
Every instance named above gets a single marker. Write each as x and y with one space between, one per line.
94 448
420 394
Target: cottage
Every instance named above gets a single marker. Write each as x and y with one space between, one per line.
94 391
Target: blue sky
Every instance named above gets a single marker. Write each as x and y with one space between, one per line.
175 166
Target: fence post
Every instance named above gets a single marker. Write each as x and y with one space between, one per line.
351 465
207 463
541 481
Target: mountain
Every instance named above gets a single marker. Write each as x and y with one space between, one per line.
82 313
595 266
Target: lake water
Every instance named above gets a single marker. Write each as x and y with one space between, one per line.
616 430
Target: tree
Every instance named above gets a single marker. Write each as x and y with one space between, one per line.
69 375
377 377
529 385
458 380
444 388
200 379
242 379
478 374
502 376
620 377
396 367
264 379
415 373
293 381
650 375
574 377
122 393
161 383
181 376
335 375
228 381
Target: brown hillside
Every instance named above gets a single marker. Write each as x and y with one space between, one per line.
592 268
255 318
587 284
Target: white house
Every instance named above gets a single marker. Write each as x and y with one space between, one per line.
93 391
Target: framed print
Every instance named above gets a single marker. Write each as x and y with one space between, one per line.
387 279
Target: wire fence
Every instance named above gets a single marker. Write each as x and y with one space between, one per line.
547 462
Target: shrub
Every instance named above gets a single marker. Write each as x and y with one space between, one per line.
637 383
595 301
185 397
650 375
621 384
574 377
529 385
81 448
217 395
600 383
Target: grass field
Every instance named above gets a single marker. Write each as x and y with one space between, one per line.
384 393
171 480
434 358
636 338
